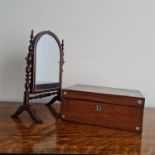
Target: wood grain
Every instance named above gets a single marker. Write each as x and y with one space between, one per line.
103 106
58 136
112 116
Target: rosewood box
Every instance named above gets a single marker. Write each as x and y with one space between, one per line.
108 107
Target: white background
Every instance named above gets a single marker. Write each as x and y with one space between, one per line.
107 42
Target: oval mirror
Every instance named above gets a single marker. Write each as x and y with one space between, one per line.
47 58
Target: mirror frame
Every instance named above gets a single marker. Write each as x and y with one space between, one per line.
45 87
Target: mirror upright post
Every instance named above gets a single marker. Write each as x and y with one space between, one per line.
43 71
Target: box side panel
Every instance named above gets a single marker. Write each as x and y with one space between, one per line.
103 114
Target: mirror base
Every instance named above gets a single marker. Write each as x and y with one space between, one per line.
55 98
30 110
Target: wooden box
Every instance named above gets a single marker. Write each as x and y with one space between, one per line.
109 107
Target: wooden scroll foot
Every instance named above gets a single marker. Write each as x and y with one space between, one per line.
53 100
54 113
30 110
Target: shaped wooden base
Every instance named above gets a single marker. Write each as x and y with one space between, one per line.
55 98
30 110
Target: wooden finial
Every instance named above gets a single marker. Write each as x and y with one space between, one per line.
31 36
30 48
62 44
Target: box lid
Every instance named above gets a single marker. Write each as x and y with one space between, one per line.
105 94
106 90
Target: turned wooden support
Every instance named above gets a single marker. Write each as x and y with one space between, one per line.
26 106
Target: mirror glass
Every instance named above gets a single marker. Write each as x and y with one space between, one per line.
47 61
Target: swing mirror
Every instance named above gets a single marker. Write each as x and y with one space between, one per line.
43 71
46 66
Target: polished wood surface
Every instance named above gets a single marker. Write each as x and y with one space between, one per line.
58 136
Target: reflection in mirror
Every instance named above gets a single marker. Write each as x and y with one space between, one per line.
47 61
